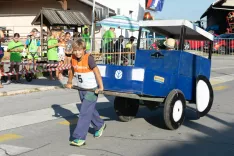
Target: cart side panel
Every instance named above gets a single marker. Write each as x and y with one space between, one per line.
158 84
189 68
192 65
168 62
122 78
161 73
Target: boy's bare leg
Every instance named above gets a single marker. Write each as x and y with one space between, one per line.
69 62
9 77
28 66
34 66
17 70
51 76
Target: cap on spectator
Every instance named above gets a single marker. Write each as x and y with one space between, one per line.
34 30
170 43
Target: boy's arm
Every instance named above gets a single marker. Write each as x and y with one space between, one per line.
99 79
70 77
93 66
52 45
21 49
39 46
9 48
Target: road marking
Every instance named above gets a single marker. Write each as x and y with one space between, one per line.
74 121
221 79
38 116
218 88
6 137
228 67
76 155
7 150
69 122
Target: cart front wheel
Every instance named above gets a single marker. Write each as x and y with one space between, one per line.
174 109
204 95
125 108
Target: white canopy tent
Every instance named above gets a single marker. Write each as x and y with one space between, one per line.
173 28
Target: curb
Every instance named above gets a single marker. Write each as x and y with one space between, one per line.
31 90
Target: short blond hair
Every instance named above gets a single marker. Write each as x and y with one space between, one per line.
79 44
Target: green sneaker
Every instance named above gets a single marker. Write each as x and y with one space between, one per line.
100 131
78 142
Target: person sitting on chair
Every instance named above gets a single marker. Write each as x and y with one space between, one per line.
129 45
170 44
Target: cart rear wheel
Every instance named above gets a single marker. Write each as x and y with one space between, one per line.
126 108
204 95
174 109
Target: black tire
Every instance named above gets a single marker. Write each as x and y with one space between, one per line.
173 118
125 108
205 91
28 77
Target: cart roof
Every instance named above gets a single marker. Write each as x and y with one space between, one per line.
173 28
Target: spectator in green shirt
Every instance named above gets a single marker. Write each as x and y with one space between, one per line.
52 53
33 47
15 47
86 38
108 40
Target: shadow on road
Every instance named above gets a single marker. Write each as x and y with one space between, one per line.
72 119
208 141
205 141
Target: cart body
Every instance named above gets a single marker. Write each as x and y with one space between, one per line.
157 76
171 77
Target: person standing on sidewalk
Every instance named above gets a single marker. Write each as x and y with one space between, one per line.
68 49
86 38
52 53
1 56
33 45
15 47
61 55
88 77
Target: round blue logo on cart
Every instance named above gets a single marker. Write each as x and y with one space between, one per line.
118 74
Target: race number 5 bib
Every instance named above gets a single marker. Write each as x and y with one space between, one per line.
86 80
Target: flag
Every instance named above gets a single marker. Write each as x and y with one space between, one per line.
155 5
159 6
149 3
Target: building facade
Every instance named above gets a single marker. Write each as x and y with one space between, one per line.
132 8
17 15
216 15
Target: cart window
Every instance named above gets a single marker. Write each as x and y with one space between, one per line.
151 40
116 51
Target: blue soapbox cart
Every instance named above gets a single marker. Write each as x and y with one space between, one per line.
170 78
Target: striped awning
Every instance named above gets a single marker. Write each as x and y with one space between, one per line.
122 22
62 17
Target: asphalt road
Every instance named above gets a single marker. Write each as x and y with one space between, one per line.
40 124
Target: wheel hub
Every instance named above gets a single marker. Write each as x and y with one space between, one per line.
177 110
